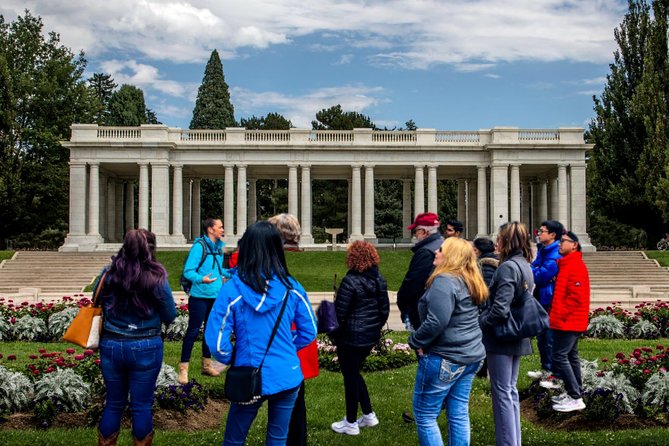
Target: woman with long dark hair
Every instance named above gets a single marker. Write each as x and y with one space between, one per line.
362 310
136 299
248 306
512 275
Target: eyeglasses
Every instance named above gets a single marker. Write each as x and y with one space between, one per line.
562 240
541 231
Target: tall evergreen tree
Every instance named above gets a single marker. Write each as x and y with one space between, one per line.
213 109
127 107
102 87
628 167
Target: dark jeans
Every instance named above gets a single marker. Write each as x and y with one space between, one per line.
355 389
566 362
279 409
129 366
545 344
297 429
198 312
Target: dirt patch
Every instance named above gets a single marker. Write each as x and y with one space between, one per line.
212 417
574 421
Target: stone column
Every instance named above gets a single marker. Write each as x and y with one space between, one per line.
482 201
196 210
177 203
292 189
187 216
305 219
242 210
407 218
349 220
525 204
355 203
554 200
143 222
543 201
514 205
229 203
562 195
578 198
118 218
253 201
432 205
94 200
77 199
472 209
160 201
129 205
111 210
102 206
499 195
419 190
462 203
369 203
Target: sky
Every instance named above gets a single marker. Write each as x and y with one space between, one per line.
447 65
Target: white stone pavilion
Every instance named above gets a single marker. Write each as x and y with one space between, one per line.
503 174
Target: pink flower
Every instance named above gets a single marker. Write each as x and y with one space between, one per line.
97 362
605 359
69 351
79 357
647 349
637 362
33 356
89 352
620 355
646 371
42 350
11 358
600 374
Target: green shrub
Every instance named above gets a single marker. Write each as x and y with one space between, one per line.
190 396
15 391
30 328
60 321
644 330
601 405
60 391
609 234
385 355
606 327
657 391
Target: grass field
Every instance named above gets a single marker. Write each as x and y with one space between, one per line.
391 395
662 257
6 255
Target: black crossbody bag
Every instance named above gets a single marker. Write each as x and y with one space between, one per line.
243 384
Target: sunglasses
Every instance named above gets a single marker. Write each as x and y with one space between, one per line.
563 240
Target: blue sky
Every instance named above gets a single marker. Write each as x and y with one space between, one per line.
449 65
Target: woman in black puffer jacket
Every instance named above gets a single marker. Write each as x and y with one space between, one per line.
362 310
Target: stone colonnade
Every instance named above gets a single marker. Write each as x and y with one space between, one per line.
495 186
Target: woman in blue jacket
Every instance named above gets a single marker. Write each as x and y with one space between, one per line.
248 306
135 300
204 269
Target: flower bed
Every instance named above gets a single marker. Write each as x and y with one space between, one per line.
647 321
384 356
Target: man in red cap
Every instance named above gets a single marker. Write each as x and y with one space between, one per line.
425 229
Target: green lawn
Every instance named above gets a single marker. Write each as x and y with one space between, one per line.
6 255
391 395
661 256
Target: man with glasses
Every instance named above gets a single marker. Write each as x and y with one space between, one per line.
545 269
425 229
568 320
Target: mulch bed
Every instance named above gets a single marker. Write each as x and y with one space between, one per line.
212 417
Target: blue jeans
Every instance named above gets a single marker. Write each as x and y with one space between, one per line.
129 365
503 372
240 417
566 361
198 312
437 382
545 344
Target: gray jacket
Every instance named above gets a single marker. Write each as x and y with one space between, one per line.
449 322
506 283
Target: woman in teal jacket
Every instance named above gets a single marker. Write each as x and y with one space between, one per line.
204 269
248 306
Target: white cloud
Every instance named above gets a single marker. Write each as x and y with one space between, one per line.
143 75
492 76
301 110
409 34
345 59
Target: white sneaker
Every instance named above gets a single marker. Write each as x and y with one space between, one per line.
551 383
538 374
344 427
368 420
569 405
558 399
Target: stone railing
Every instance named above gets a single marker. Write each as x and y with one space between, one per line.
304 137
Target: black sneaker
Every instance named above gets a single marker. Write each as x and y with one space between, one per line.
407 417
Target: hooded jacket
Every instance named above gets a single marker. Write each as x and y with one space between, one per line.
571 301
213 264
362 308
251 316
544 269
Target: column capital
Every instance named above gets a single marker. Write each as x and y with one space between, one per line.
506 165
293 165
578 166
356 166
177 165
142 163
432 166
515 164
370 166
419 166
94 163
228 166
305 166
160 164
77 163
562 165
482 166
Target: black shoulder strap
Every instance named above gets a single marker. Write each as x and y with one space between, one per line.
522 276
204 253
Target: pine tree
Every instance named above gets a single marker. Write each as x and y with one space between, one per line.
102 87
127 107
213 109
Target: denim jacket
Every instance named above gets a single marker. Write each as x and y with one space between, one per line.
129 322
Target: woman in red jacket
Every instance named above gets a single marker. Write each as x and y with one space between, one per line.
568 320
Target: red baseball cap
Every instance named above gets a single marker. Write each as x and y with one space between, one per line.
425 219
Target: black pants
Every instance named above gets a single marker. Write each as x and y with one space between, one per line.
355 389
297 429
566 363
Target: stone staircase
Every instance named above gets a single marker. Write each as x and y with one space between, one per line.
48 273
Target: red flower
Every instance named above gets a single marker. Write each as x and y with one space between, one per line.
42 350
79 357
647 349
646 371
49 370
637 362
89 352
97 362
600 373
0 355
33 356
620 355
35 372
11 358
605 359
69 351
659 347
12 320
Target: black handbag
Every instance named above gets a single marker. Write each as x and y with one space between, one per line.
243 384
527 318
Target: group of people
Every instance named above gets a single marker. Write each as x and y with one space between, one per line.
254 312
